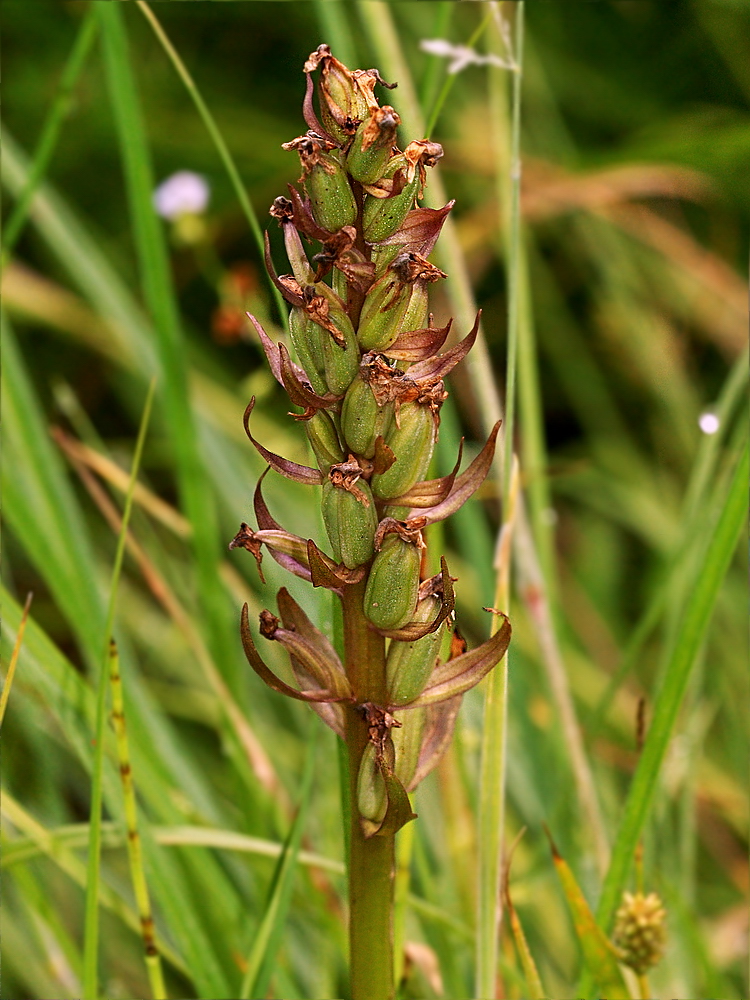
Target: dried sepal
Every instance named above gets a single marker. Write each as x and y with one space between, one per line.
457 676
313 657
299 389
325 572
384 456
418 345
247 539
420 230
268 676
290 470
465 485
436 368
437 733
270 349
430 492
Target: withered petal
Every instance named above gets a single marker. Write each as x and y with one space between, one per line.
308 110
384 456
291 470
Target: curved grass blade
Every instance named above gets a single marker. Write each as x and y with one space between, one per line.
14 659
217 138
135 850
731 502
150 243
260 962
534 986
59 110
91 929
598 951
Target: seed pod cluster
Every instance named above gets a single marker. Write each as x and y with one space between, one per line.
367 373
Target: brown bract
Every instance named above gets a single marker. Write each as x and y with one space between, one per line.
344 476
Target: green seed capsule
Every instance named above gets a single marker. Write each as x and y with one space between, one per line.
308 341
362 420
412 444
371 149
410 664
393 584
372 800
382 217
324 440
341 362
383 311
349 523
331 197
407 743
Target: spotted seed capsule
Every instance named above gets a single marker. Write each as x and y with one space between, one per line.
397 301
382 217
308 341
409 664
340 350
412 444
341 360
321 433
351 521
393 584
362 420
372 144
407 744
372 800
326 181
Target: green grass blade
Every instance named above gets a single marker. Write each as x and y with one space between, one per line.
91 927
268 938
336 31
598 952
218 140
14 660
195 492
61 107
697 615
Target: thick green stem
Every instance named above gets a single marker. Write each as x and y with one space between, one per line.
372 861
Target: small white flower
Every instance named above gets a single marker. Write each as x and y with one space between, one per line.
461 56
183 193
708 422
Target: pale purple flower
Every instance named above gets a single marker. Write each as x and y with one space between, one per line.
709 422
183 193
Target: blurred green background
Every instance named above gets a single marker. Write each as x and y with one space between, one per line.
636 150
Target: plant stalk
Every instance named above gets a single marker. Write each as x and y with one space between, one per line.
372 860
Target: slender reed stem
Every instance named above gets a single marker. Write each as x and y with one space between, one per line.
492 781
135 849
93 871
